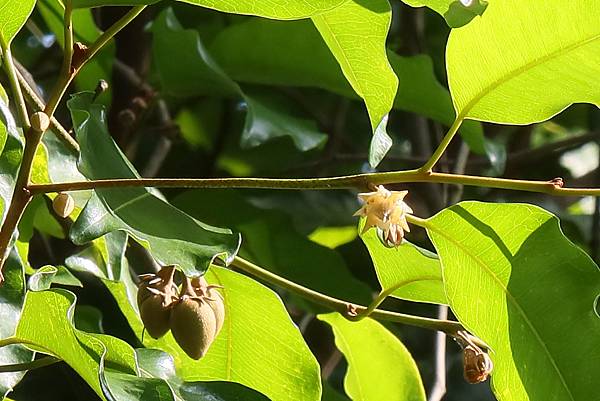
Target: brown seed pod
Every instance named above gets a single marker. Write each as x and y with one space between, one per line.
156 296
63 204
193 322
477 364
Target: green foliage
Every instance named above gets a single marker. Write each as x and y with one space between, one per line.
509 81
313 89
12 294
413 273
13 17
109 210
510 274
379 366
374 81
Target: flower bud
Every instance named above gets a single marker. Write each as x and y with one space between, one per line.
63 204
477 364
39 121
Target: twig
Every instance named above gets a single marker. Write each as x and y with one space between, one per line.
357 181
35 101
343 307
38 363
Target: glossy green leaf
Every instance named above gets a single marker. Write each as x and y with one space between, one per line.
127 209
258 347
12 294
515 281
524 61
158 364
276 9
45 276
455 12
356 32
414 272
294 54
13 15
332 237
189 70
47 324
379 366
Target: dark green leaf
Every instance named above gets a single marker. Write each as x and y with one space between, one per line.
45 276
293 53
189 70
12 293
514 280
127 209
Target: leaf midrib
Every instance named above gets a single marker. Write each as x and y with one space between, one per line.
524 68
508 297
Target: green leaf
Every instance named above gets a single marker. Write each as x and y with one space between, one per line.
332 237
455 12
12 294
515 281
158 364
279 53
379 366
127 209
414 271
506 81
45 276
13 15
374 81
189 70
276 9
253 324
47 324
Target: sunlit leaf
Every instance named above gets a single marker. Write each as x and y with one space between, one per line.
379 366
373 80
456 12
514 280
12 18
524 61
414 272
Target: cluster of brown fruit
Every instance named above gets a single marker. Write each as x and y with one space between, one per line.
194 314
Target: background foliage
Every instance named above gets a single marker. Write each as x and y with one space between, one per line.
224 88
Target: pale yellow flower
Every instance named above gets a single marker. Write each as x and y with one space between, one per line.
385 210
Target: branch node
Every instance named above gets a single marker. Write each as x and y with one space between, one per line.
557 182
80 55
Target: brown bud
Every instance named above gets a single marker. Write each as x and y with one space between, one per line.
40 121
156 297
477 364
63 204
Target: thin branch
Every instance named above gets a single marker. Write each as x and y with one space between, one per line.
11 72
35 101
357 181
443 145
447 326
21 194
38 363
